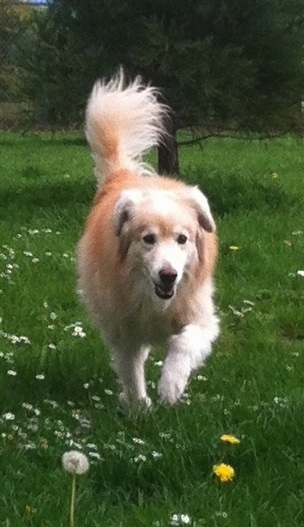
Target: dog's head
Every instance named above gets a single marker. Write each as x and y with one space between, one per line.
161 235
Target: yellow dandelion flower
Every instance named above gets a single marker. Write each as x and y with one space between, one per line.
224 472
228 438
234 248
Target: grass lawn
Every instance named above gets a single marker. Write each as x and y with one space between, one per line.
57 389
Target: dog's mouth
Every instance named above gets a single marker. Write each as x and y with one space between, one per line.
164 292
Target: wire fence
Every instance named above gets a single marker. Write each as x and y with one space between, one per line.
15 21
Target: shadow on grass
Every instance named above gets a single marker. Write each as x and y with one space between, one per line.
231 193
228 194
43 139
61 194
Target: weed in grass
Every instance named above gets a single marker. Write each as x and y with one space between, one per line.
76 463
224 472
180 519
230 439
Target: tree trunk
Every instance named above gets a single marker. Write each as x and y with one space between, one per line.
168 155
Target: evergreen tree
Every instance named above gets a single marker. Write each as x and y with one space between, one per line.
221 64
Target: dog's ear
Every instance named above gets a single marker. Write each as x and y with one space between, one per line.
123 213
202 208
124 208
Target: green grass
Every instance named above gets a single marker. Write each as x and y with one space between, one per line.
252 385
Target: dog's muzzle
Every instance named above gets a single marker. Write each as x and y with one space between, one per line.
165 288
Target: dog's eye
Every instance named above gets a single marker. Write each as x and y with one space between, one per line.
181 239
150 239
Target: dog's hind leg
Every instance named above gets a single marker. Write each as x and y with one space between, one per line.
187 351
130 369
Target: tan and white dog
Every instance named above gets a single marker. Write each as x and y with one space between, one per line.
148 252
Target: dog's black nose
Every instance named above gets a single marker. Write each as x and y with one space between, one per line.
167 276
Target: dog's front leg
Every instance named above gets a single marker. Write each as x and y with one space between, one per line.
130 369
186 352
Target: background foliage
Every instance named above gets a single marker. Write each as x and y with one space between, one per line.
221 64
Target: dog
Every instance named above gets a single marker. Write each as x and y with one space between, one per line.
147 256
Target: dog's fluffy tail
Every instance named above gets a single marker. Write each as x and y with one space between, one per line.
123 121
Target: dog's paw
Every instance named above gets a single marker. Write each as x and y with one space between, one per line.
144 403
171 388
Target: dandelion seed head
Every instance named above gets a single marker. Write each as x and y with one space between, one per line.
75 462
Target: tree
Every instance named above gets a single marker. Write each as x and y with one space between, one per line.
12 23
221 64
